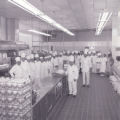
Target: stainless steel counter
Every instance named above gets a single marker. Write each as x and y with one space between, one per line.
52 91
47 85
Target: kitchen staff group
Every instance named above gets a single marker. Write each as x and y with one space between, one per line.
36 67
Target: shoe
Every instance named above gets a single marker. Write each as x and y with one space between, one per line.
69 94
74 96
83 85
88 86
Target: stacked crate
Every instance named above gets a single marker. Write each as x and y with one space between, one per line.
15 99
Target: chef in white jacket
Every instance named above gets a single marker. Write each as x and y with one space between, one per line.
16 71
98 62
42 68
46 67
37 71
94 62
50 69
86 70
73 74
103 65
25 66
32 68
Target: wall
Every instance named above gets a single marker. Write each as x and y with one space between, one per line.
116 37
2 28
8 29
30 39
80 40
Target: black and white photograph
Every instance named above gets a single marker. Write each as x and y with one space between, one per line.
59 59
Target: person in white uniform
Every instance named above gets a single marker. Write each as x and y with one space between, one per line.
16 71
46 67
98 63
94 62
73 74
81 59
49 66
25 66
37 71
32 68
42 68
86 70
103 65
60 61
77 60
90 60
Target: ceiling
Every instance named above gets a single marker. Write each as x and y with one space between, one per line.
72 14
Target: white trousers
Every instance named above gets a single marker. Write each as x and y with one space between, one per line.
94 68
86 78
72 87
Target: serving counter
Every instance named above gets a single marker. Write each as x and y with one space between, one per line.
52 90
116 71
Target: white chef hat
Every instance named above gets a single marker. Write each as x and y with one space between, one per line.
32 56
76 52
17 59
36 56
89 52
68 52
99 54
41 57
28 57
86 50
73 52
71 59
94 51
23 55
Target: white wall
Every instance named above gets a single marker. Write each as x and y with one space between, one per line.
116 37
103 46
30 39
82 39
2 28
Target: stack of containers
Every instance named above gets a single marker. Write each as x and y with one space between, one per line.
15 99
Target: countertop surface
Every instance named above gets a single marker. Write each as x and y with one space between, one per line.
116 69
46 85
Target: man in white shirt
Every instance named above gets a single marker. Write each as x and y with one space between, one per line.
73 74
86 70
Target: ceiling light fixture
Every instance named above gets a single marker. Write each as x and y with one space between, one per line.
25 5
102 21
38 32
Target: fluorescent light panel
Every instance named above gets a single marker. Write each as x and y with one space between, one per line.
102 21
104 16
38 32
25 5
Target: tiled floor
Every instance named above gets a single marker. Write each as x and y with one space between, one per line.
99 102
